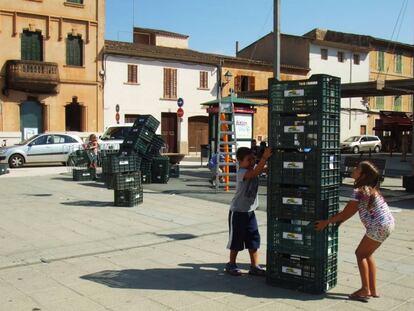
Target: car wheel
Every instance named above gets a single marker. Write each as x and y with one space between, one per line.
355 150
16 161
377 149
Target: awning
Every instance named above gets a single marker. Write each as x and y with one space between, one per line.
232 99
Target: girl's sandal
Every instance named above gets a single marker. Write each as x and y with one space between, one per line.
358 298
374 296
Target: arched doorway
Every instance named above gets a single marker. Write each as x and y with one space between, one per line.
31 118
73 116
197 133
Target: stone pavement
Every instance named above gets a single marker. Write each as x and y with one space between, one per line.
64 247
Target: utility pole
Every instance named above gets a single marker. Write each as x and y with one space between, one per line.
276 33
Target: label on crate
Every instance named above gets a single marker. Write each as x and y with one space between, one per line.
292 236
129 179
290 270
332 162
294 129
86 174
123 162
292 201
137 196
294 93
293 165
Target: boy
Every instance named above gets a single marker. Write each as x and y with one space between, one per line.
244 232
212 165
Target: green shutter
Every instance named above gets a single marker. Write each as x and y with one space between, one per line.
74 47
398 103
31 46
75 1
381 61
398 63
379 103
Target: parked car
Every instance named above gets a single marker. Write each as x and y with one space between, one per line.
363 143
113 137
42 148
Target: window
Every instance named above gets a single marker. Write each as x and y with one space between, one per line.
324 54
379 103
58 139
133 74
70 140
75 1
398 103
131 118
341 57
170 83
398 63
32 45
40 140
74 50
204 80
380 64
356 59
363 129
244 83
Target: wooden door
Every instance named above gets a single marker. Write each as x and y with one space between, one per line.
197 133
169 130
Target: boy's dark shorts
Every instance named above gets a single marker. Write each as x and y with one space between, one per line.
243 231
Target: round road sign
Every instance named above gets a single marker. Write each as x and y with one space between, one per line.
180 112
180 102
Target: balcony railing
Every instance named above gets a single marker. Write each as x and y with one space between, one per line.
33 76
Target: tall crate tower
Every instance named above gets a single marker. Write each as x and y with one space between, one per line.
303 183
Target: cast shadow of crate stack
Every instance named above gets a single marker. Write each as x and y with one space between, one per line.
303 185
138 162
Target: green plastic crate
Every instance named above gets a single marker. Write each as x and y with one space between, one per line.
128 198
310 131
309 275
156 145
122 164
298 237
146 178
83 174
305 203
320 93
174 171
125 181
147 121
160 170
314 168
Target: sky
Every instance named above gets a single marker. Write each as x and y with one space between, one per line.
215 25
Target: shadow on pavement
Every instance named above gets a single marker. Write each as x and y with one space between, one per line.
199 278
88 203
178 236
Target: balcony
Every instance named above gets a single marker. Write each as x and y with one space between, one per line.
32 76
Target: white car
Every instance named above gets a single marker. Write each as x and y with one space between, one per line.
42 148
113 137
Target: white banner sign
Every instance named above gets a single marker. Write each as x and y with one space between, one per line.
244 124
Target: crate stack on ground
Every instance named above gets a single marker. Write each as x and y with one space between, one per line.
143 142
79 161
303 183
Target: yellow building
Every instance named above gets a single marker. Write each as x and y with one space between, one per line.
389 61
50 58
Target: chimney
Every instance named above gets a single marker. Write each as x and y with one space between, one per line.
237 47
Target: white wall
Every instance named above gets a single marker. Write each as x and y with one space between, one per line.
171 42
348 72
146 97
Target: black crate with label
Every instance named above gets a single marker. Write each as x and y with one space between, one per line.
125 181
128 198
83 174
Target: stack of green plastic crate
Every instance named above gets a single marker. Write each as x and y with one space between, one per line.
303 183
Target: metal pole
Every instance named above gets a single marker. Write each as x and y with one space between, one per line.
276 33
412 135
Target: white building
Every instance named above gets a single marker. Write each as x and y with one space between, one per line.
351 64
150 75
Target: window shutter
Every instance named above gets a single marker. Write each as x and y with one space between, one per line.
135 73
166 83
252 85
25 46
174 86
237 84
381 61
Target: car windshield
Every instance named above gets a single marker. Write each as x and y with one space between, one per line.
26 141
116 133
352 139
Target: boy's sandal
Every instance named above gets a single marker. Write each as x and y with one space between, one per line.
358 298
257 271
233 270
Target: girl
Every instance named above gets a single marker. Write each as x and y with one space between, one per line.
377 219
92 147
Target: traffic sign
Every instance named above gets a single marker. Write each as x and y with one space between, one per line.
180 112
180 102
117 108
